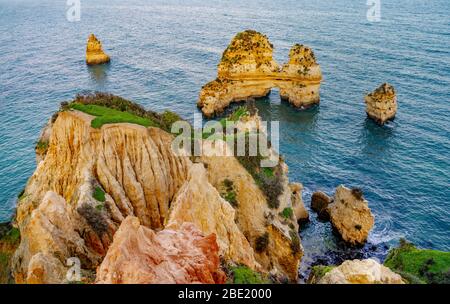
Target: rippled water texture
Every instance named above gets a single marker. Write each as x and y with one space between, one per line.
162 53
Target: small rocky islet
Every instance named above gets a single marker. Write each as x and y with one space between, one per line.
107 182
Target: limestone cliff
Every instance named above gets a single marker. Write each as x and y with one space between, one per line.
268 223
382 103
88 182
93 176
247 70
140 255
94 52
200 203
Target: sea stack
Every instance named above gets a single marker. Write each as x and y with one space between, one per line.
350 215
94 52
247 70
382 104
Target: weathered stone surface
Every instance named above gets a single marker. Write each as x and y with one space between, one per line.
200 203
281 251
351 215
133 165
300 212
381 104
319 203
248 70
94 52
361 272
139 255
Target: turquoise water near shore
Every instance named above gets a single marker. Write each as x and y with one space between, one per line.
164 51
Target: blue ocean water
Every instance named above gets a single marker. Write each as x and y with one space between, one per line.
164 51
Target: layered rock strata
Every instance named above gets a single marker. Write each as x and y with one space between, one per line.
132 166
89 180
247 70
94 52
381 104
140 255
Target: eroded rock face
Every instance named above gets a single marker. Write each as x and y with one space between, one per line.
248 70
350 215
91 179
132 165
276 245
361 272
381 104
140 255
94 52
200 203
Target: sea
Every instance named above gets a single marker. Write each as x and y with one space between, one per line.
162 52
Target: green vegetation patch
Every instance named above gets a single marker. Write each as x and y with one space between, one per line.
287 213
318 272
42 146
110 108
9 240
229 193
419 265
99 194
107 115
244 275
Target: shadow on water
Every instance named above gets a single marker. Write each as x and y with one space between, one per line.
99 73
376 140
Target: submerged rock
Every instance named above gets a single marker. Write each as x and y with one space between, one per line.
94 52
350 215
140 255
382 103
247 70
359 272
319 203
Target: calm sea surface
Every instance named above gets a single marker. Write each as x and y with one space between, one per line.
164 51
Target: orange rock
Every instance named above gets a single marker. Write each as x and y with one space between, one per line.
94 52
140 255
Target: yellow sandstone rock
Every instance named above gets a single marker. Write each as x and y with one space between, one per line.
200 203
350 215
134 166
248 70
382 104
94 52
361 272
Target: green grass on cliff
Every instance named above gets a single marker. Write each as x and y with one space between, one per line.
419 265
244 275
107 115
110 108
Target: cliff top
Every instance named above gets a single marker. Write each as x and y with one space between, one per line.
109 108
301 55
248 46
383 93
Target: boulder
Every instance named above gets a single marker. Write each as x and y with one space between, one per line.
350 215
361 272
